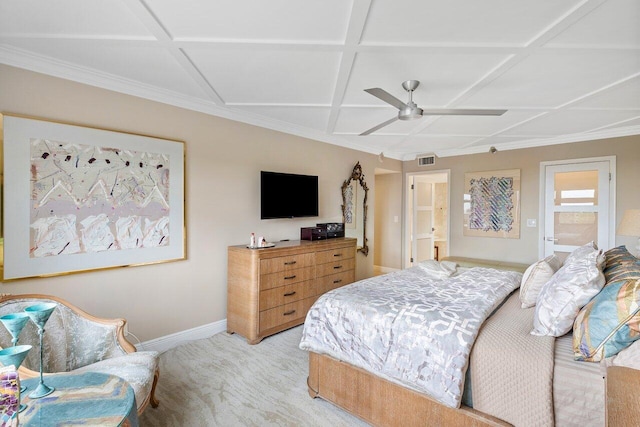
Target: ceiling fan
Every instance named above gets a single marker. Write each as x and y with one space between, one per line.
410 110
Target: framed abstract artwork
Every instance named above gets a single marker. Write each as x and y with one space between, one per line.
77 199
492 204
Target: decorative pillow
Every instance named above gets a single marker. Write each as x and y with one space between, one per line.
582 252
628 357
620 264
609 323
438 270
535 277
562 297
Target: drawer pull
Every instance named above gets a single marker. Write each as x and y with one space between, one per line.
290 262
337 254
337 281
288 294
288 313
290 277
337 267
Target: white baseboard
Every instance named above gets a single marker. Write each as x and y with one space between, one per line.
167 342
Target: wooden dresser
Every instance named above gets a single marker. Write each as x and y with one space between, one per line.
271 289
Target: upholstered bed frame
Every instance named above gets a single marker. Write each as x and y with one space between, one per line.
383 403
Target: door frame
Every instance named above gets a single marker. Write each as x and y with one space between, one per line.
406 236
543 190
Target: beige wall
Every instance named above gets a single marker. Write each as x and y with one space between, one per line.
388 234
223 164
525 249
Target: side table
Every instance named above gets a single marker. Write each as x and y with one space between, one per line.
86 398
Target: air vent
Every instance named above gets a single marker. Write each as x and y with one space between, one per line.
427 160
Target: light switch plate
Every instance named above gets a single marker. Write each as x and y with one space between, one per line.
531 223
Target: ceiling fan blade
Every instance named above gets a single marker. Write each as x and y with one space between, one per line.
460 112
380 126
386 97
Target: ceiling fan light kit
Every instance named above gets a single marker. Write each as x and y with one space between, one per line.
411 111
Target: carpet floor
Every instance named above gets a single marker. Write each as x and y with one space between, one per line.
223 381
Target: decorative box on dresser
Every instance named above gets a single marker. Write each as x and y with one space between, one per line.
271 289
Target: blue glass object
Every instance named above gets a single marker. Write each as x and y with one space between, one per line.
39 314
14 323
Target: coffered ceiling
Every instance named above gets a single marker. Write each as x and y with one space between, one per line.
566 70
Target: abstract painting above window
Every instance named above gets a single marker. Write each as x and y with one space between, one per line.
492 204
80 199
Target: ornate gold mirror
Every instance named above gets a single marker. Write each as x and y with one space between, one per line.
354 208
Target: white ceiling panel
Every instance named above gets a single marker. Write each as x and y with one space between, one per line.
569 122
565 70
624 124
615 23
624 95
442 76
460 21
357 120
477 125
374 143
256 20
432 144
309 117
552 78
269 76
70 18
148 65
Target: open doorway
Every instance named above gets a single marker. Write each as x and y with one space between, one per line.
427 216
387 219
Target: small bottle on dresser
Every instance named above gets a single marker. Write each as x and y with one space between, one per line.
253 240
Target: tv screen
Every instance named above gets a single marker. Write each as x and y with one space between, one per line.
286 195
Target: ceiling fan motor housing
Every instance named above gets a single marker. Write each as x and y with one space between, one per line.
411 112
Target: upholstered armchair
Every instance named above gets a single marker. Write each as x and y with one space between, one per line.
77 341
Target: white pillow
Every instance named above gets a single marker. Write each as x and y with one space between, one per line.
535 277
582 252
628 357
562 297
438 270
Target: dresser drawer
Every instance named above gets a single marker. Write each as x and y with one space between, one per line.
324 257
327 283
285 294
285 313
282 278
335 267
286 263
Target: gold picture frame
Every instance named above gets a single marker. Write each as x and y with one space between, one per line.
79 199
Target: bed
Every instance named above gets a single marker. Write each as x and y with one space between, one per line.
508 377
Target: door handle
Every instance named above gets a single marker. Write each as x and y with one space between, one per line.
550 239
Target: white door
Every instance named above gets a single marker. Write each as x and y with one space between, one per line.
578 206
422 224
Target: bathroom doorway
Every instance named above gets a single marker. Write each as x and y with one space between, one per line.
427 216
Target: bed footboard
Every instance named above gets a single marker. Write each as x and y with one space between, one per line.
622 396
381 402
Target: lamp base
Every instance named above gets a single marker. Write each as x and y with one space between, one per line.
41 391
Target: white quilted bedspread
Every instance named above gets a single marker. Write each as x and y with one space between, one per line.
409 327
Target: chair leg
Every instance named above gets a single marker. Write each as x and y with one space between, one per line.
152 399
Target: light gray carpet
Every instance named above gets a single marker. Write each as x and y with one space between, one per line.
223 381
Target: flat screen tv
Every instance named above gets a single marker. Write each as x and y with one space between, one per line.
286 195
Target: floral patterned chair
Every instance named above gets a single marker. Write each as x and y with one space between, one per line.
75 341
